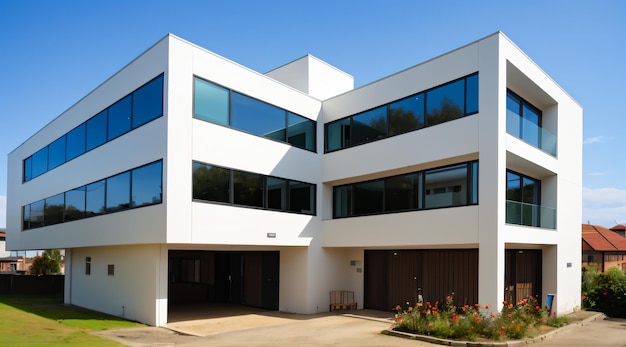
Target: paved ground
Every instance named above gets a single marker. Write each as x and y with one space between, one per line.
284 329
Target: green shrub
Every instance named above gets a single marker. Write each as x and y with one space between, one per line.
605 292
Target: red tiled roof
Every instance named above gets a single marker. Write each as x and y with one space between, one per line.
602 239
619 227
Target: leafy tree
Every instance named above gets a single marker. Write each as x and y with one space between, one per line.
48 263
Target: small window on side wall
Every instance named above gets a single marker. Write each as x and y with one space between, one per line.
111 270
87 265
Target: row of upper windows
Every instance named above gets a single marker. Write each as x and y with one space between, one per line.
455 185
138 187
220 105
132 111
441 104
217 184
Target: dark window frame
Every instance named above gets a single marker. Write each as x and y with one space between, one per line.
106 211
230 115
28 178
425 92
264 193
420 191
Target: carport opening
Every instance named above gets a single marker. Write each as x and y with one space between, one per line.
207 281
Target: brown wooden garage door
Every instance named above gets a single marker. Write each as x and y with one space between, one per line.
397 277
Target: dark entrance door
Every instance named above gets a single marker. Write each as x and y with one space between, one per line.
522 275
398 277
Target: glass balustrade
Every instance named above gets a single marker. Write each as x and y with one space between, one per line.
530 133
530 215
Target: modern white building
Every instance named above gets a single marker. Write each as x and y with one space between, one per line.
188 177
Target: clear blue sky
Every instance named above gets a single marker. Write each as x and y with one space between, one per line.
53 53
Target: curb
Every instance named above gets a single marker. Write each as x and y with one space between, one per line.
446 342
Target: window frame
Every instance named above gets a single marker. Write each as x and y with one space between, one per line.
425 92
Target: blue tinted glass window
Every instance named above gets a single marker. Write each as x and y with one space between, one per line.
301 197
369 126
248 189
445 103
54 209
76 142
56 153
94 204
406 115
146 185
338 134
119 118
26 217
118 192
276 194
474 183
210 102
300 131
97 130
531 127
257 117
36 214
40 162
211 183
513 119
75 204
471 94
148 102
28 167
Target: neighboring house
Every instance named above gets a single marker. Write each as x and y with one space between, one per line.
602 248
188 177
7 262
620 229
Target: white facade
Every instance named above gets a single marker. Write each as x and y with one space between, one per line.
317 252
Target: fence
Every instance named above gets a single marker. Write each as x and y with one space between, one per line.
32 285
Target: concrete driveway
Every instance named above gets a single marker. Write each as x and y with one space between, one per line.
362 328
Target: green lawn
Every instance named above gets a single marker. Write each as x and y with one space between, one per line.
45 321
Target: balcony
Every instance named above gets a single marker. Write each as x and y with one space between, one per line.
530 215
530 133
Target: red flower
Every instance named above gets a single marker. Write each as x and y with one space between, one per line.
492 315
584 297
505 303
478 319
524 302
605 293
454 316
487 307
430 325
448 298
509 315
537 308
